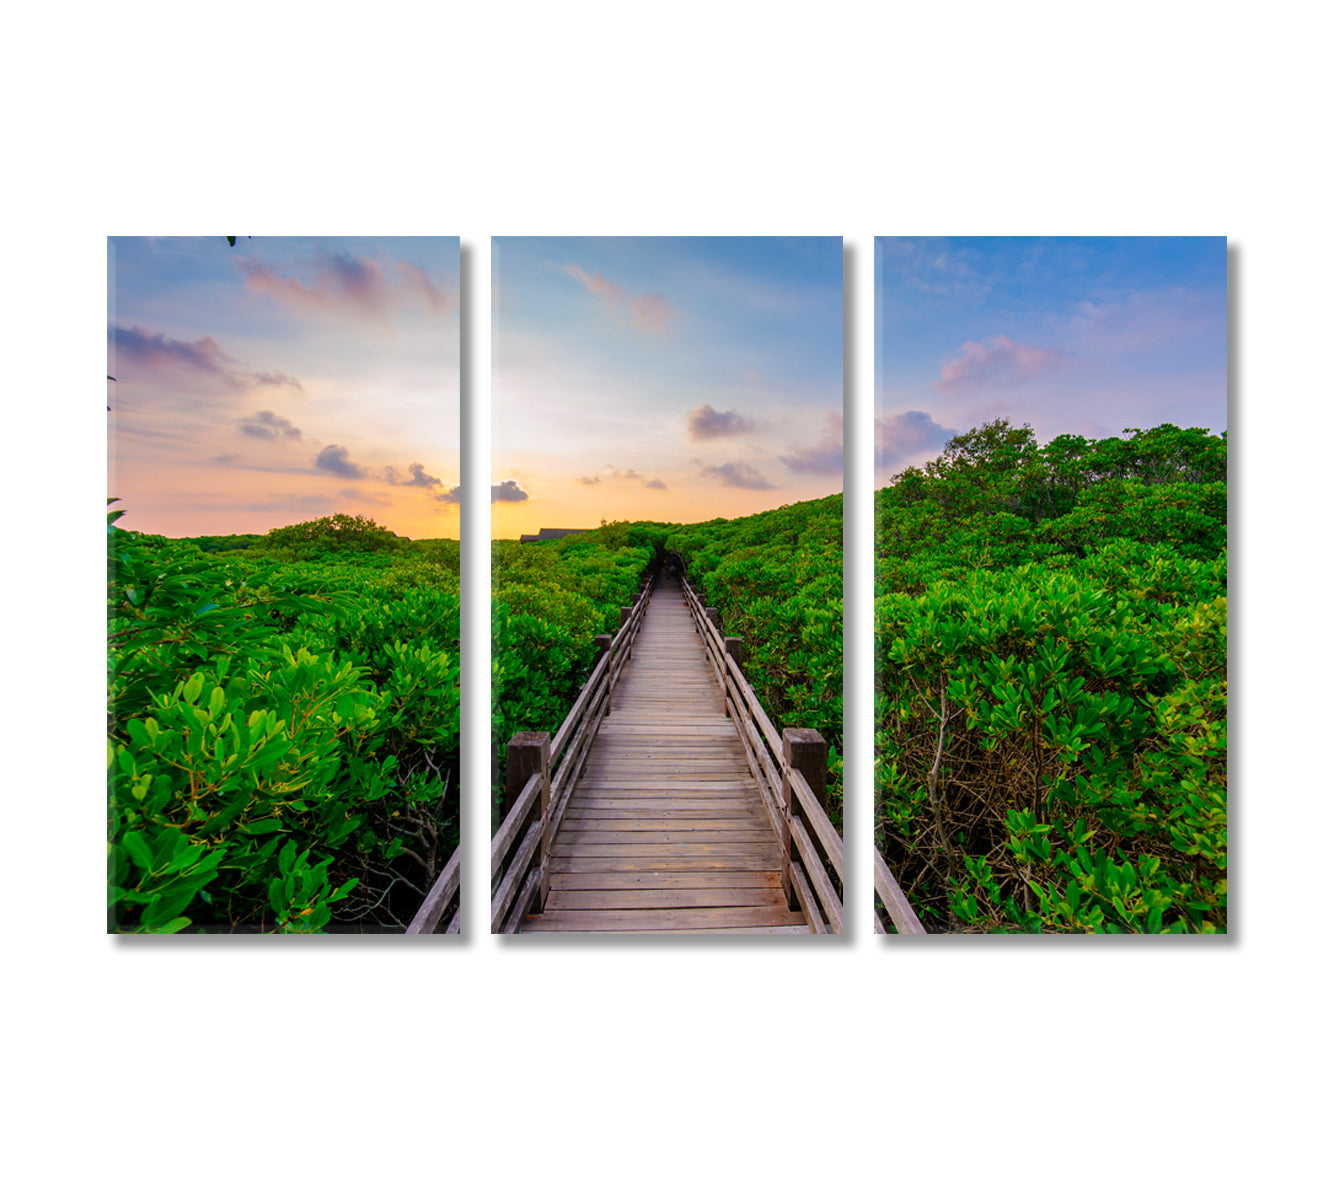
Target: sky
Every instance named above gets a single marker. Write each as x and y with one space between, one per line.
283 379
1088 336
668 379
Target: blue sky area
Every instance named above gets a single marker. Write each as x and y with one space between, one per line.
1071 335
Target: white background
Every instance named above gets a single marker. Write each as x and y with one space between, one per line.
211 1067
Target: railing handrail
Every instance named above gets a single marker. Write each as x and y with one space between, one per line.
513 892
896 904
789 798
442 893
772 772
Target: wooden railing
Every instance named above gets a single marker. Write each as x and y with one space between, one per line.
790 770
896 903
535 798
443 892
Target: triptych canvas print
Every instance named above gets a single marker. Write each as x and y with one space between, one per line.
667 569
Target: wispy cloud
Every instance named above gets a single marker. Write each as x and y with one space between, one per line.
615 475
705 423
936 272
737 475
272 379
417 476
507 491
267 425
999 362
334 461
825 457
903 435
141 352
347 286
414 279
649 311
596 284
453 495
156 351
1133 322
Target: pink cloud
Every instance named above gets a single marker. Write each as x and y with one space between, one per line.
596 284
824 457
358 287
999 362
906 435
706 422
649 312
416 279
738 475
156 351
147 353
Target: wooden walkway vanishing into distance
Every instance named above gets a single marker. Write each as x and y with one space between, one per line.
665 828
667 801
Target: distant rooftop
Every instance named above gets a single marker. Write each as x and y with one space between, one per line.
549 535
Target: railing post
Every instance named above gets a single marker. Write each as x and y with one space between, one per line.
530 753
714 619
804 750
626 613
603 643
736 647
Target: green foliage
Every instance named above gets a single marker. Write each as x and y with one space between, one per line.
1051 670
549 600
282 738
776 579
328 535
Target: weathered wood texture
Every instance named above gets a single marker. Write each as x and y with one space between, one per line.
444 892
536 796
900 911
665 830
790 771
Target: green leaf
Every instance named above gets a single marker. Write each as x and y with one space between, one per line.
136 846
175 925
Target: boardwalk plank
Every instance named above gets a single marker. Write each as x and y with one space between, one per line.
569 901
587 838
680 858
703 824
587 881
666 831
656 919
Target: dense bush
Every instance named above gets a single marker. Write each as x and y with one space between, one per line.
1051 670
327 535
282 738
776 579
549 600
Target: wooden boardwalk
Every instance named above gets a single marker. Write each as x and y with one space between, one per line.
666 831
